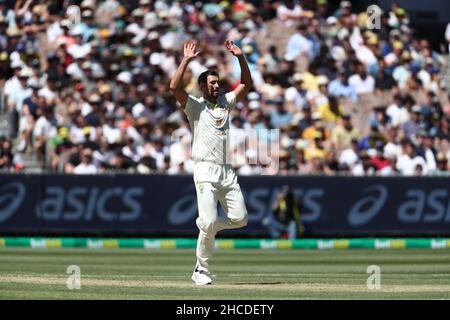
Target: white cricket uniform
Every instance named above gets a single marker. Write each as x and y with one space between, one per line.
214 177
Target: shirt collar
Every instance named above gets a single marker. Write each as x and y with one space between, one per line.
209 103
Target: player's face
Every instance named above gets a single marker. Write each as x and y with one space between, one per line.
211 90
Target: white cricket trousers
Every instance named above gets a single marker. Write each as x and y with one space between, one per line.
214 183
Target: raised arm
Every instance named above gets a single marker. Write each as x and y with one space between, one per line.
246 79
189 54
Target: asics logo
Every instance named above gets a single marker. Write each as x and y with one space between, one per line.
369 206
11 198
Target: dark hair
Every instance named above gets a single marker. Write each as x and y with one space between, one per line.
202 78
406 141
332 100
302 27
408 99
398 97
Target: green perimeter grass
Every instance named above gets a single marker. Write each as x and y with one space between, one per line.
240 274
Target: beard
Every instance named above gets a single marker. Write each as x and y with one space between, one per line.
213 95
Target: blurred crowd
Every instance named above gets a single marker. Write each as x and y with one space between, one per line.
84 87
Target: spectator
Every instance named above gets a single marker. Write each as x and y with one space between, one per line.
60 145
331 111
44 129
8 161
271 59
319 97
131 151
412 126
364 167
86 165
343 134
111 131
374 137
340 87
306 120
390 169
318 129
271 88
302 165
379 118
409 163
442 165
27 119
295 95
280 117
289 12
402 73
383 78
299 45
349 156
316 150
425 142
317 167
397 111
379 159
345 9
331 164
361 81
443 130
392 149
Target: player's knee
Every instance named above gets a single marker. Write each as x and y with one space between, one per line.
207 225
241 221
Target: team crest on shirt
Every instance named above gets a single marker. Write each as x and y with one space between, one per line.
219 116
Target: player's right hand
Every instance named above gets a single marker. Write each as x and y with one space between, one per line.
190 50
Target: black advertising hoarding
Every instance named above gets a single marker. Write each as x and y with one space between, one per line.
136 205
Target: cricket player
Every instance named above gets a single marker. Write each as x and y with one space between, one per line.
214 177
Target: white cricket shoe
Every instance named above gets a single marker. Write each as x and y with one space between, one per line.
201 276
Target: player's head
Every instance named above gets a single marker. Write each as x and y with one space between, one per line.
208 82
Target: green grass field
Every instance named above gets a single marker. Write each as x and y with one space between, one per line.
240 274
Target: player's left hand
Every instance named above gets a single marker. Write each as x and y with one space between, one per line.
234 49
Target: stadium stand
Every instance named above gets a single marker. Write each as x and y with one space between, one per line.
84 86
